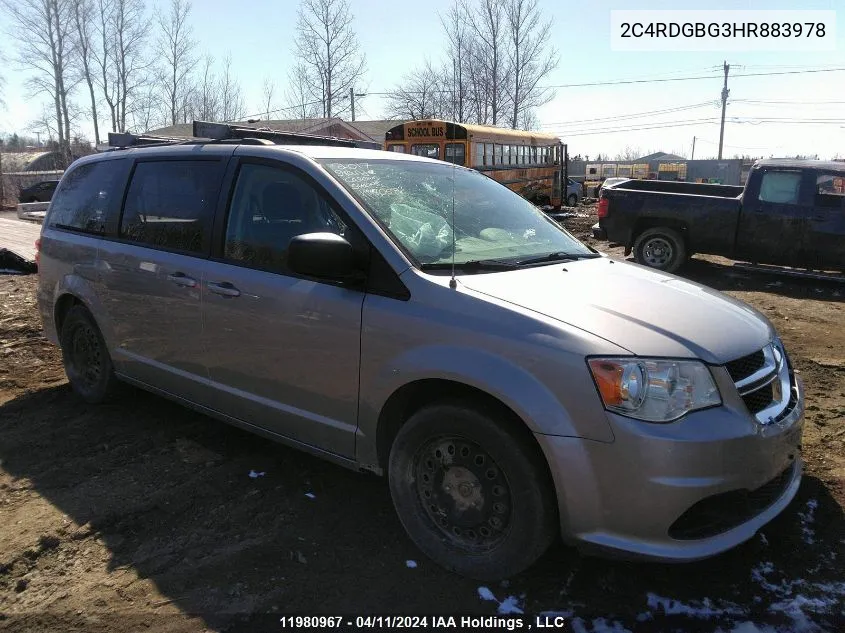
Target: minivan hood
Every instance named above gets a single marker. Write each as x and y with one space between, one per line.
644 311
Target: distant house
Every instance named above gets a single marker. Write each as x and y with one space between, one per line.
658 156
371 132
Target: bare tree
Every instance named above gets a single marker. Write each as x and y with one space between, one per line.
529 59
488 24
420 95
122 66
629 153
205 102
459 56
268 90
298 97
328 50
232 106
83 18
44 31
176 56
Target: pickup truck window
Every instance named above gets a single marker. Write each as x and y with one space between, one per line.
424 207
830 191
781 187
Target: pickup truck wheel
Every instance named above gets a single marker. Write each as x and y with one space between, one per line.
473 495
87 362
572 200
661 248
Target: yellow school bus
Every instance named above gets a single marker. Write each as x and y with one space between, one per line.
532 164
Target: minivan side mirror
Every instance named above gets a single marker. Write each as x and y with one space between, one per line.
325 256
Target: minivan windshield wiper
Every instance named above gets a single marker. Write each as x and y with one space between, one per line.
555 257
473 264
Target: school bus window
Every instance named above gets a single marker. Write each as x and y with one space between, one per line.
478 158
397 148
500 154
429 150
455 153
488 154
523 155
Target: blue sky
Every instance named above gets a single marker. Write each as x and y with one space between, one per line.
401 34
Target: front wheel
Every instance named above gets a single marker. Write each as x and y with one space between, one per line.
661 248
572 200
473 495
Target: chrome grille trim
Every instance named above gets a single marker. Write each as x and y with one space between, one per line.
775 371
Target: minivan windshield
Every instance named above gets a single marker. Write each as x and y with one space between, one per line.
427 207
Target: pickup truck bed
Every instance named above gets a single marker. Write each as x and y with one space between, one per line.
790 213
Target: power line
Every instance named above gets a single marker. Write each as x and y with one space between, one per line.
635 115
689 122
620 82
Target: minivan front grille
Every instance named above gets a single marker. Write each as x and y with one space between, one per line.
764 381
744 367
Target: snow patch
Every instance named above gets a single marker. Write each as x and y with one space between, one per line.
411 564
255 475
703 609
310 495
508 605
808 517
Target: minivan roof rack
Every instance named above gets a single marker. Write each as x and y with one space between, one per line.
210 132
226 131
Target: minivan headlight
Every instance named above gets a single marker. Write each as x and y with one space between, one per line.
654 390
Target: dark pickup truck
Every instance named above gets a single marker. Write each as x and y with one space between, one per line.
790 213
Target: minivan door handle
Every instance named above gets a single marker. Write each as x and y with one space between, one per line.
223 288
181 279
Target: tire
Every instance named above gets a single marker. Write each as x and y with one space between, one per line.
661 248
472 494
86 359
572 200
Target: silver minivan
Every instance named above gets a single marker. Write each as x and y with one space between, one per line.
415 319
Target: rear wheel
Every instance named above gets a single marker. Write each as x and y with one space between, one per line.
473 494
661 248
87 362
572 200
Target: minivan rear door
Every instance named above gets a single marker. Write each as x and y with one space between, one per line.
152 271
283 350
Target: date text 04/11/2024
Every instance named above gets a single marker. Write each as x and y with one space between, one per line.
398 622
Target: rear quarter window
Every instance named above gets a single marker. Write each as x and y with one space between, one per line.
85 195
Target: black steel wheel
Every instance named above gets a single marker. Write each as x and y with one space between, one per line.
661 248
472 490
87 362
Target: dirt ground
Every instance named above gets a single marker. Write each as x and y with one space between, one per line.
142 515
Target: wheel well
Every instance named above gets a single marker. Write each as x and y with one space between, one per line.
65 303
653 223
405 401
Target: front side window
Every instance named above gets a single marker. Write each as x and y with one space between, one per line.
781 187
428 208
170 204
269 208
429 150
82 201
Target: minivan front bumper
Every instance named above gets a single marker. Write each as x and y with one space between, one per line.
681 491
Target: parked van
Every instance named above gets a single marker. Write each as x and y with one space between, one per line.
415 319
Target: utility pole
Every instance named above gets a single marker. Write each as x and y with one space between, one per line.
693 149
352 100
725 93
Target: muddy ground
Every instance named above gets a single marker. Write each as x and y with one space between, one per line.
141 515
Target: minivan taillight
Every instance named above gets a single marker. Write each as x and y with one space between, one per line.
37 251
604 207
